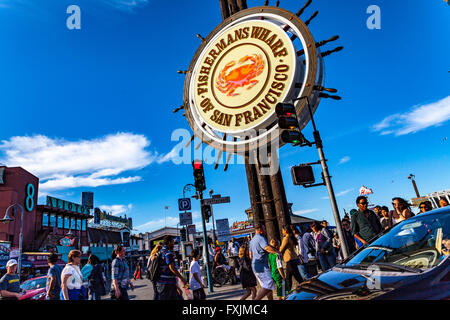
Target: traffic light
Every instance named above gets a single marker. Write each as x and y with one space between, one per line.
183 234
288 122
302 174
206 212
199 176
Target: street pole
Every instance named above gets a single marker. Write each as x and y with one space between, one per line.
205 246
7 219
214 227
20 241
411 176
327 179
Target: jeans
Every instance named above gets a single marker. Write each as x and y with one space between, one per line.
168 291
302 268
292 270
327 261
94 295
155 291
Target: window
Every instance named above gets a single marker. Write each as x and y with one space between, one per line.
78 224
72 223
45 219
60 221
83 225
52 220
66 223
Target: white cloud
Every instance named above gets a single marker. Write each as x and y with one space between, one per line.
302 212
344 160
62 164
418 118
117 209
339 194
126 5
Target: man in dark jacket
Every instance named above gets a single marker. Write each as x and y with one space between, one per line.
365 224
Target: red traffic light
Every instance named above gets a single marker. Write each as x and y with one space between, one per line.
197 164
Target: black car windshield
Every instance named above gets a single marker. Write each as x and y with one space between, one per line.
418 243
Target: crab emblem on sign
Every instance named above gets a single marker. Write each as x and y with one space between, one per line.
228 81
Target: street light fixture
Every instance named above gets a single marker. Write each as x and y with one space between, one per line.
7 219
411 177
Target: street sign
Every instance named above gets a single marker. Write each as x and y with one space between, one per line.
216 200
223 230
185 218
184 204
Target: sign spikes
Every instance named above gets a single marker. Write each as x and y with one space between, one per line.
200 37
320 88
198 146
324 95
266 3
299 12
321 43
327 53
189 142
220 153
178 109
182 71
312 17
278 3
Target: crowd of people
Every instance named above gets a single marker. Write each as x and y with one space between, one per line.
271 264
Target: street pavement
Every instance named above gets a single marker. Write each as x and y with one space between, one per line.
144 291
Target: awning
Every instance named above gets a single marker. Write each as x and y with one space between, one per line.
104 236
24 264
295 219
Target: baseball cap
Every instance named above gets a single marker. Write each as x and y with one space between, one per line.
11 262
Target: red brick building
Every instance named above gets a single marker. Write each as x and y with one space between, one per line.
45 227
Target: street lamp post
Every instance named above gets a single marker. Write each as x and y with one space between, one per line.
7 219
411 177
212 217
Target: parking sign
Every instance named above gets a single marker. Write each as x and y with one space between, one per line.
184 204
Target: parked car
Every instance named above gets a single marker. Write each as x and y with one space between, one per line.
411 261
34 289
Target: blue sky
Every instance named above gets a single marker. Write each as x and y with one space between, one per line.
91 109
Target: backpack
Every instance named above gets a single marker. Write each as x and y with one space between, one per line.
154 270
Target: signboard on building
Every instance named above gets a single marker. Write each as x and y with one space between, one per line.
5 248
185 218
67 205
416 201
101 217
2 172
223 230
87 199
241 225
66 241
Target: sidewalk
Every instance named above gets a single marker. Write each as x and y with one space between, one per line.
226 292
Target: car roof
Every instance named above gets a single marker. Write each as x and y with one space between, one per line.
434 212
36 278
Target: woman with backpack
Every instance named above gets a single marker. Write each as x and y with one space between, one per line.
153 254
290 256
95 279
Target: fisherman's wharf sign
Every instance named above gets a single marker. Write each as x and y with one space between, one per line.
242 74
248 64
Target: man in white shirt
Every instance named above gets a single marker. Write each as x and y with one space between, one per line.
195 282
233 253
